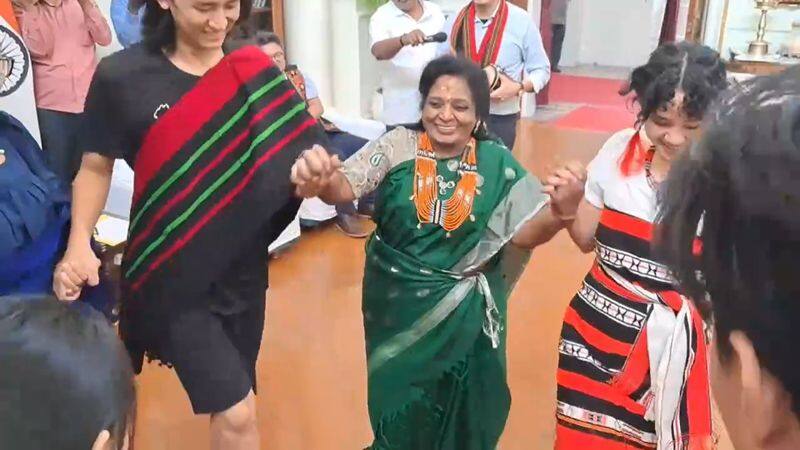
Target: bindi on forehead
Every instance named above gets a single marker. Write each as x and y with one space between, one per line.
451 88
444 92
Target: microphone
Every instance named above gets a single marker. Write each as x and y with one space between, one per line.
438 37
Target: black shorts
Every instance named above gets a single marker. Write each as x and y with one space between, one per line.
215 356
214 349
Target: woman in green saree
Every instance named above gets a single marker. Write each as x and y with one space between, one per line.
456 218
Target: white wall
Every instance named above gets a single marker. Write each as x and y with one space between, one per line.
618 33
570 53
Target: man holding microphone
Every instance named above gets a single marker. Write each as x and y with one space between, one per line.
398 32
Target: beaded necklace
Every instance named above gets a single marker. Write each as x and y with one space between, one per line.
453 212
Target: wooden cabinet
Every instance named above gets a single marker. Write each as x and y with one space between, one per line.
266 15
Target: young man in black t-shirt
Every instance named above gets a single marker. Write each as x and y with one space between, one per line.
212 340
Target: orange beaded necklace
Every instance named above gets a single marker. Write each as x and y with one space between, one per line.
452 213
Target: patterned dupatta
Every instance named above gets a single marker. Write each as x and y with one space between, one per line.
462 37
212 178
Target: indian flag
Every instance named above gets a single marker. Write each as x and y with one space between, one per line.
16 78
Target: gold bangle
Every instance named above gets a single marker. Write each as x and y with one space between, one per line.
496 81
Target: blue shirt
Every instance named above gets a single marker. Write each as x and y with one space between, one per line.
127 26
34 213
521 55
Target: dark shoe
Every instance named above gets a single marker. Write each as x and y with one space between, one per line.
366 209
556 70
352 226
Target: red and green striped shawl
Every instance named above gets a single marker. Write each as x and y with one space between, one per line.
212 178
462 36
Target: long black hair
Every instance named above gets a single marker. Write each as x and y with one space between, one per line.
740 187
158 25
469 72
695 69
64 376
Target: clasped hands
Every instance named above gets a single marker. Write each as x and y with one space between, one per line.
565 185
313 171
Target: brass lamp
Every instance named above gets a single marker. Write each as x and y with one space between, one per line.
760 47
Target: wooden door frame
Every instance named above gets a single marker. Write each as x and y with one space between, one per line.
696 21
277 19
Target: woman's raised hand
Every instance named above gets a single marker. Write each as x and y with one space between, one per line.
565 186
313 170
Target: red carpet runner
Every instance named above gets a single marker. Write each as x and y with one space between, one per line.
601 107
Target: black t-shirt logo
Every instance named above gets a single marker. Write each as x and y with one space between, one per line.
162 108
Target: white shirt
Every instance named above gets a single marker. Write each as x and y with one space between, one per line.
400 75
521 54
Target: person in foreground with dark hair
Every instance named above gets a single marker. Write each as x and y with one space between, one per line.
456 218
740 186
211 138
66 382
632 356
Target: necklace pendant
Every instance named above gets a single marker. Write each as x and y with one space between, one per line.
452 165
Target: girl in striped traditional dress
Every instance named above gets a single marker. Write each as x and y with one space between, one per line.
632 355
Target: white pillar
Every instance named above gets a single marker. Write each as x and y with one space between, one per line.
309 43
348 39
535 10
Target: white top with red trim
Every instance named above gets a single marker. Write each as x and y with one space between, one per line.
606 186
